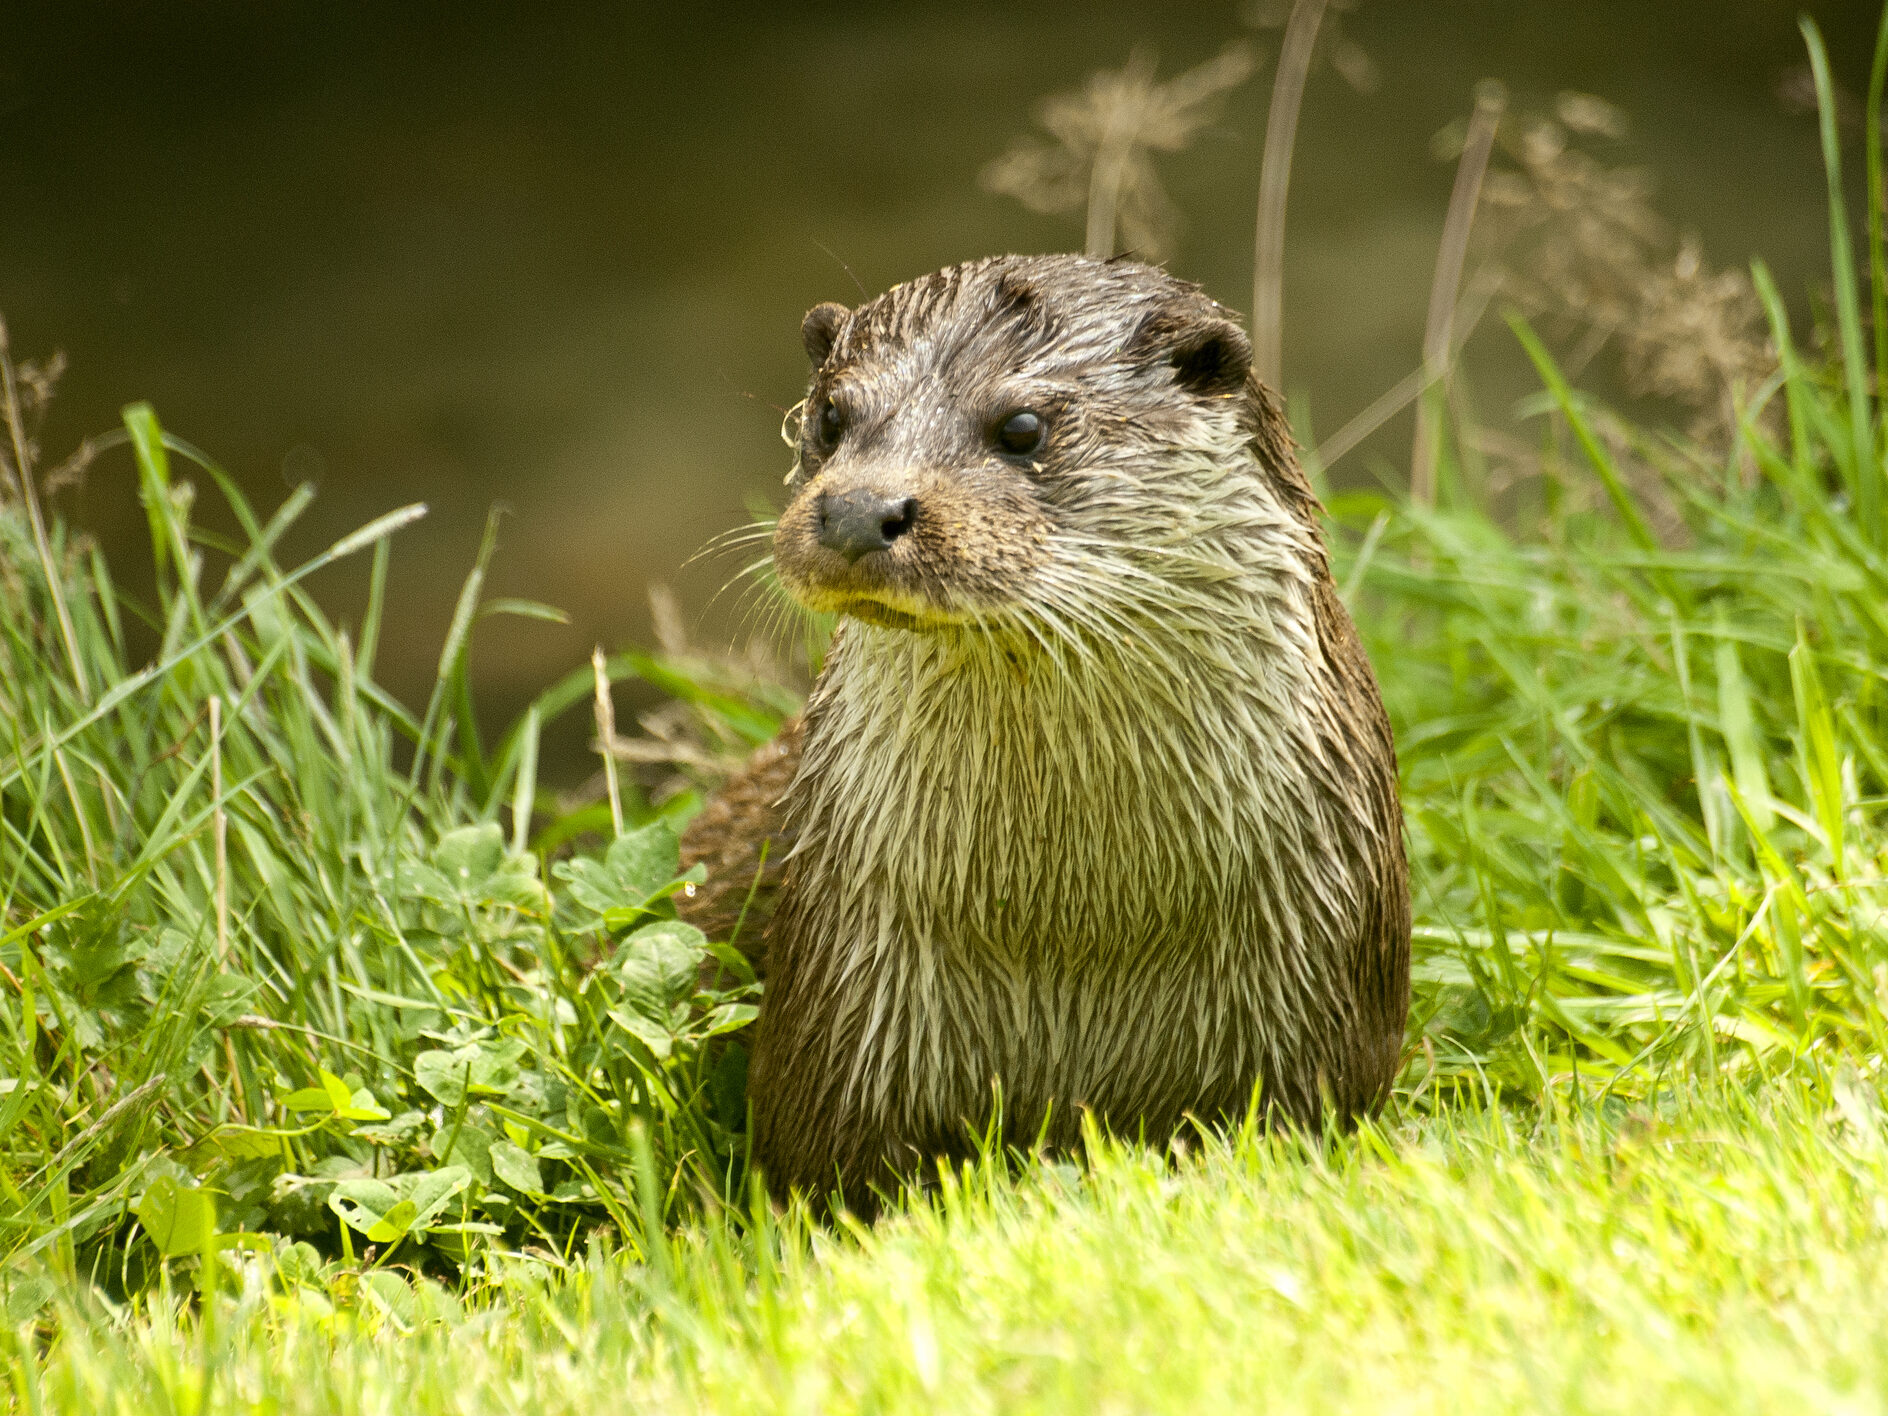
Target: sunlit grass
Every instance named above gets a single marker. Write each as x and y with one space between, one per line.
1725 1254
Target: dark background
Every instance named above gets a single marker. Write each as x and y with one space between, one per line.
556 254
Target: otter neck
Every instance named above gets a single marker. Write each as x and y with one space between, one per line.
1012 796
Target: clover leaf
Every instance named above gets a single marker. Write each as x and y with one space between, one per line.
640 868
386 1211
339 1097
470 868
481 1068
179 1218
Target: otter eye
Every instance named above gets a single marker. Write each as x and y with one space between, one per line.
1020 432
829 426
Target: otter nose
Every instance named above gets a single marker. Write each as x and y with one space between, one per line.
857 523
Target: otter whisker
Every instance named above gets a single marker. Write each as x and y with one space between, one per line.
727 540
754 570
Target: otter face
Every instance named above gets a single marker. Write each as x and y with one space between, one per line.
965 433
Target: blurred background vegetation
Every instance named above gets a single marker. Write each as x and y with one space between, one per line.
555 256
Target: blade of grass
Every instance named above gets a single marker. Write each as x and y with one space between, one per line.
524 793
1877 198
1867 472
605 708
1597 455
1822 766
1491 100
1281 136
374 530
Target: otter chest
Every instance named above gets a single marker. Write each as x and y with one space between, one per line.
1079 918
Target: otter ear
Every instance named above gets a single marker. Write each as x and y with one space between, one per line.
820 328
1209 353
1211 356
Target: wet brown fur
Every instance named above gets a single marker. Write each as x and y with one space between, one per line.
902 993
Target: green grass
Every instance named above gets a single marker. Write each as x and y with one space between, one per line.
411 1094
1725 1256
374 1015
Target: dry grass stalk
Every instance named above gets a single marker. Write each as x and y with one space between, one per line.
1580 245
1347 58
606 738
1102 140
1281 135
22 473
1491 100
678 746
1406 390
675 735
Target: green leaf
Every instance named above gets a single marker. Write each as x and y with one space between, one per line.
1738 722
471 1147
396 1132
27 1294
645 859
483 1068
386 1211
179 1219
147 449
728 1018
657 967
226 999
300 1263
1864 466
1624 503
335 1097
640 867
471 868
431 1189
528 609
393 1294
517 1167
469 855
647 1031
337 1090
247 1242
370 1206
362 1106
239 1143
147 442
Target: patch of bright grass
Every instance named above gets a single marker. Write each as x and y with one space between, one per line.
1723 1255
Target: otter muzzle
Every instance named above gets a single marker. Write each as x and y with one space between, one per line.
857 523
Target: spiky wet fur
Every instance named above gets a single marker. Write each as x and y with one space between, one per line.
1122 835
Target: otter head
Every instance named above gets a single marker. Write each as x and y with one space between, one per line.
976 442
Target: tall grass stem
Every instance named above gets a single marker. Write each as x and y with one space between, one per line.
1877 255
1491 101
524 792
29 495
1281 135
1111 156
1400 394
1865 474
606 736
219 828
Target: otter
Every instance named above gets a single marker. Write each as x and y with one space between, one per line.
1093 805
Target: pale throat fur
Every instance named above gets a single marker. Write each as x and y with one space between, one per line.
1090 808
